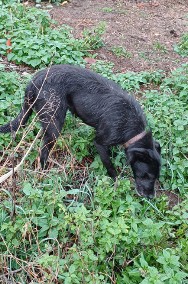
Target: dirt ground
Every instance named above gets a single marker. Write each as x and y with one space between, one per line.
146 29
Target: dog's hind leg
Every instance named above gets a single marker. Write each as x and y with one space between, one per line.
51 131
104 153
50 137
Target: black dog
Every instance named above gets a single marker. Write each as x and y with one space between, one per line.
116 116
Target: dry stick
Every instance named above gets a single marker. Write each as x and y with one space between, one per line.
4 177
13 188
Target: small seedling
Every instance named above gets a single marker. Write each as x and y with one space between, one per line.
107 9
182 46
120 51
160 47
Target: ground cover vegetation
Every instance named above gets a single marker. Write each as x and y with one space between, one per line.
72 224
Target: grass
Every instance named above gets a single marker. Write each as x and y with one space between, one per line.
160 47
72 224
120 51
107 9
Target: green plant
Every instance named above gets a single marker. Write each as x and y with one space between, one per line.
69 242
173 124
160 47
120 51
144 55
132 81
92 38
107 9
35 43
182 46
104 68
11 94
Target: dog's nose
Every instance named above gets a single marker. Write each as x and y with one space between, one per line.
151 196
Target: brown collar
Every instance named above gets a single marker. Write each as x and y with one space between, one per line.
134 139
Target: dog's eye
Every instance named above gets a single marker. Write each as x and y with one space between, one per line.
145 176
142 175
149 176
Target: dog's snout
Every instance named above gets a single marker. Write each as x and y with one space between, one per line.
151 195
143 192
147 195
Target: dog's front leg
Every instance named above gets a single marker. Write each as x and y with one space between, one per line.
104 153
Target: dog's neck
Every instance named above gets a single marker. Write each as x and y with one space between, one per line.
134 139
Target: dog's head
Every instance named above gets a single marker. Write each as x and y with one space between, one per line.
145 163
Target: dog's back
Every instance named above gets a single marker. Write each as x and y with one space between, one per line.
99 102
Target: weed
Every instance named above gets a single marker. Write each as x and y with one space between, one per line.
132 80
144 55
92 38
160 47
107 9
173 124
35 43
182 46
120 51
104 68
110 238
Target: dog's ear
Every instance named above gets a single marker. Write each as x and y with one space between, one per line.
140 154
157 147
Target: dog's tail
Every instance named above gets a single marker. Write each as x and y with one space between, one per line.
20 120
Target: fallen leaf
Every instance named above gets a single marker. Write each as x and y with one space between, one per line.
8 43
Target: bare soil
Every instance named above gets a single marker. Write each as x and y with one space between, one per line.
146 29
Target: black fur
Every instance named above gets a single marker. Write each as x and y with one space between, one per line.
100 103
